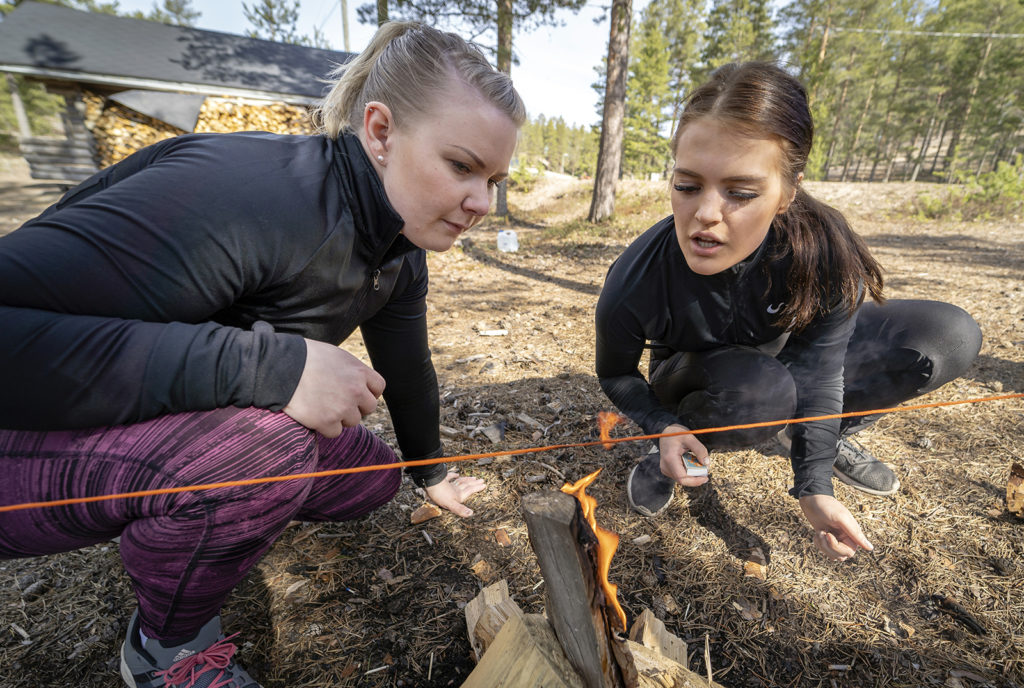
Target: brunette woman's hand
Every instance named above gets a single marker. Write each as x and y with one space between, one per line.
672 450
451 492
836 532
335 391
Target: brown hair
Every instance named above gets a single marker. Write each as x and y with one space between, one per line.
408 66
830 262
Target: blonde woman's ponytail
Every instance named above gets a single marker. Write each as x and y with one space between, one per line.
408 66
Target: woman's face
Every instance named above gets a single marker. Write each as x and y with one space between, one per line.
726 189
440 168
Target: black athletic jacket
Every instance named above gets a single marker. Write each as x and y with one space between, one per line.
184 278
650 294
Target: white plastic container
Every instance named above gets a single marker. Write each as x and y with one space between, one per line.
508 242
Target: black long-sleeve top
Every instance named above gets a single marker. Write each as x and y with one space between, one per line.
144 290
651 295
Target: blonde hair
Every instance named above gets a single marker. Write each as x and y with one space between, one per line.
408 66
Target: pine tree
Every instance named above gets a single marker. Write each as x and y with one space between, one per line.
648 99
682 24
737 31
176 12
609 153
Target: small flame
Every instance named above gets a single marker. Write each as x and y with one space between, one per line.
606 420
607 541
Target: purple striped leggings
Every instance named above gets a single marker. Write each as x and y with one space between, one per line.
186 551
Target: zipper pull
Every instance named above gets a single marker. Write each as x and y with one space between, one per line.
376 280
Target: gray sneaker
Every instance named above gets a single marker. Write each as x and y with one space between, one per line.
203 662
859 469
648 489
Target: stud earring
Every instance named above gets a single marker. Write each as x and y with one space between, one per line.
380 158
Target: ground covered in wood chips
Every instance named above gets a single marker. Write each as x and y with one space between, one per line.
379 601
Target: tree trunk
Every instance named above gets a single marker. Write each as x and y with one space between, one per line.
504 65
344 24
927 138
978 76
382 11
860 127
609 154
835 128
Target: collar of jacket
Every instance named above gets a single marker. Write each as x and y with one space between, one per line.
379 226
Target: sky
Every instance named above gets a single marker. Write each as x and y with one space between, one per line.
556 63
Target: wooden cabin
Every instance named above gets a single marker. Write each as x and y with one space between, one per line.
128 83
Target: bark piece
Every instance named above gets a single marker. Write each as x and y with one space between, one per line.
1015 490
424 513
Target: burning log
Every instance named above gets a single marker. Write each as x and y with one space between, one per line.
580 644
575 602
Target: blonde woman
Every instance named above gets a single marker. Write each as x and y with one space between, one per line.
176 320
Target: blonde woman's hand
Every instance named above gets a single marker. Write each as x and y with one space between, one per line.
836 532
672 450
335 390
451 492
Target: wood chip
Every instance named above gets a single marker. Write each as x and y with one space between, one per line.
747 609
502 537
448 432
483 571
962 673
294 587
495 433
527 420
424 513
20 631
755 566
1015 490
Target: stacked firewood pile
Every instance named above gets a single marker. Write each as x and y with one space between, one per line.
224 115
120 131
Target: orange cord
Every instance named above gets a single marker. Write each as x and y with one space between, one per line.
467 457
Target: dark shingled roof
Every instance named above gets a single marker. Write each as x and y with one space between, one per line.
43 38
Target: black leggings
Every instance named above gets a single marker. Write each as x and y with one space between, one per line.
897 352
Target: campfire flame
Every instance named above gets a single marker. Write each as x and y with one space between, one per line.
606 420
607 542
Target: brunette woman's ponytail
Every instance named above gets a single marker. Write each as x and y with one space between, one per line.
831 264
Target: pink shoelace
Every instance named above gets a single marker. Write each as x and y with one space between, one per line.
185 672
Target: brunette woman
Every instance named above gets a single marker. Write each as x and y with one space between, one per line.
750 297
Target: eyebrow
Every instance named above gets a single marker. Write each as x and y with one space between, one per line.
476 159
738 178
479 163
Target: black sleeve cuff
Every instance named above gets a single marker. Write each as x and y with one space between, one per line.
428 476
812 486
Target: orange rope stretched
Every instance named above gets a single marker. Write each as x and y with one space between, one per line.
507 452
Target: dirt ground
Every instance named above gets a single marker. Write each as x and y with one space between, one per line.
379 602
